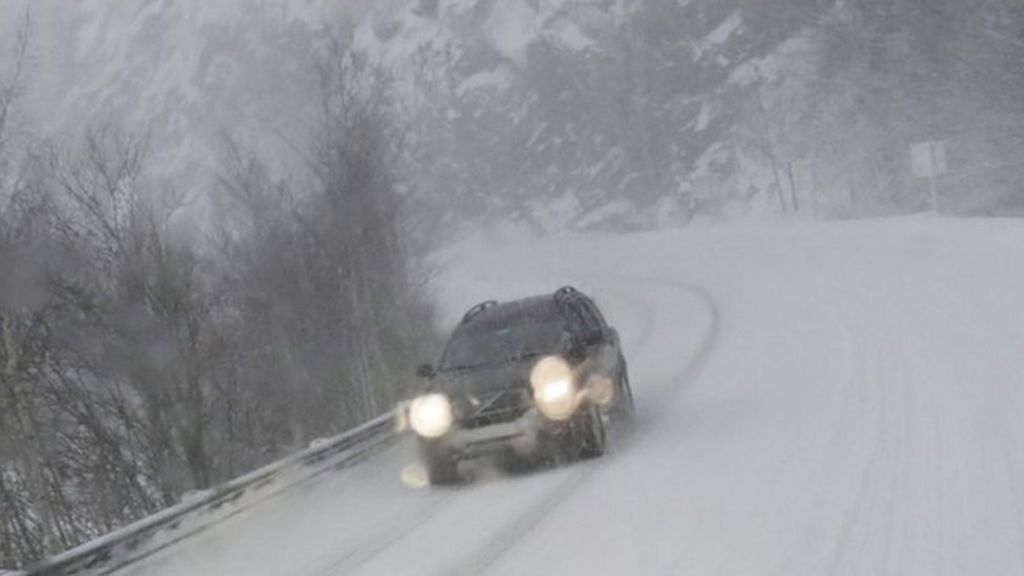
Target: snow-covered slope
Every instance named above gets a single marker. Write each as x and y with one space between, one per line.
578 113
820 399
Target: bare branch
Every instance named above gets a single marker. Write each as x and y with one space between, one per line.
12 88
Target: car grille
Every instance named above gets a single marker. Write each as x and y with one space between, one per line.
495 408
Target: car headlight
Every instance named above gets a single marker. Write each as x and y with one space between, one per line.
554 388
431 415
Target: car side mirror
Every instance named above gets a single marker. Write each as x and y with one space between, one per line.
426 371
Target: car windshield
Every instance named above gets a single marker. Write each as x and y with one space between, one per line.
492 343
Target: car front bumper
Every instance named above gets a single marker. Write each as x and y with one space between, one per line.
520 435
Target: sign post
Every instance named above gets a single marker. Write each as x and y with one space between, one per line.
804 180
928 160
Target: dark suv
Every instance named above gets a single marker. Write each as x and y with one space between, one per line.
531 377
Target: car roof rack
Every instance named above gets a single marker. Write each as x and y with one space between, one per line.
565 291
478 309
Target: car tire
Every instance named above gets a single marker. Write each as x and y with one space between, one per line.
590 434
625 408
442 469
442 472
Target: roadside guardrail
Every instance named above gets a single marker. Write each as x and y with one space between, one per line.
204 509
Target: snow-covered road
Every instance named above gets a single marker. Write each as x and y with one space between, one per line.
814 399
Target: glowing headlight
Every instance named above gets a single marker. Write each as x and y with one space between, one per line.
431 415
553 388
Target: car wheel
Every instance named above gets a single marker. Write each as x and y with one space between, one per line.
442 472
624 406
590 434
442 469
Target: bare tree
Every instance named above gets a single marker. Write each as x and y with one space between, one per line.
12 87
322 278
134 368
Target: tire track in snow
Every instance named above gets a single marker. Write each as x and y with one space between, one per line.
913 463
384 538
859 415
875 490
1015 490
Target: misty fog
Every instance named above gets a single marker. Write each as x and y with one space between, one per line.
229 229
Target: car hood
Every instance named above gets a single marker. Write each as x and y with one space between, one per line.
479 380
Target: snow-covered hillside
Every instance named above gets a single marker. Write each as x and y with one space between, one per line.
820 399
574 114
577 113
